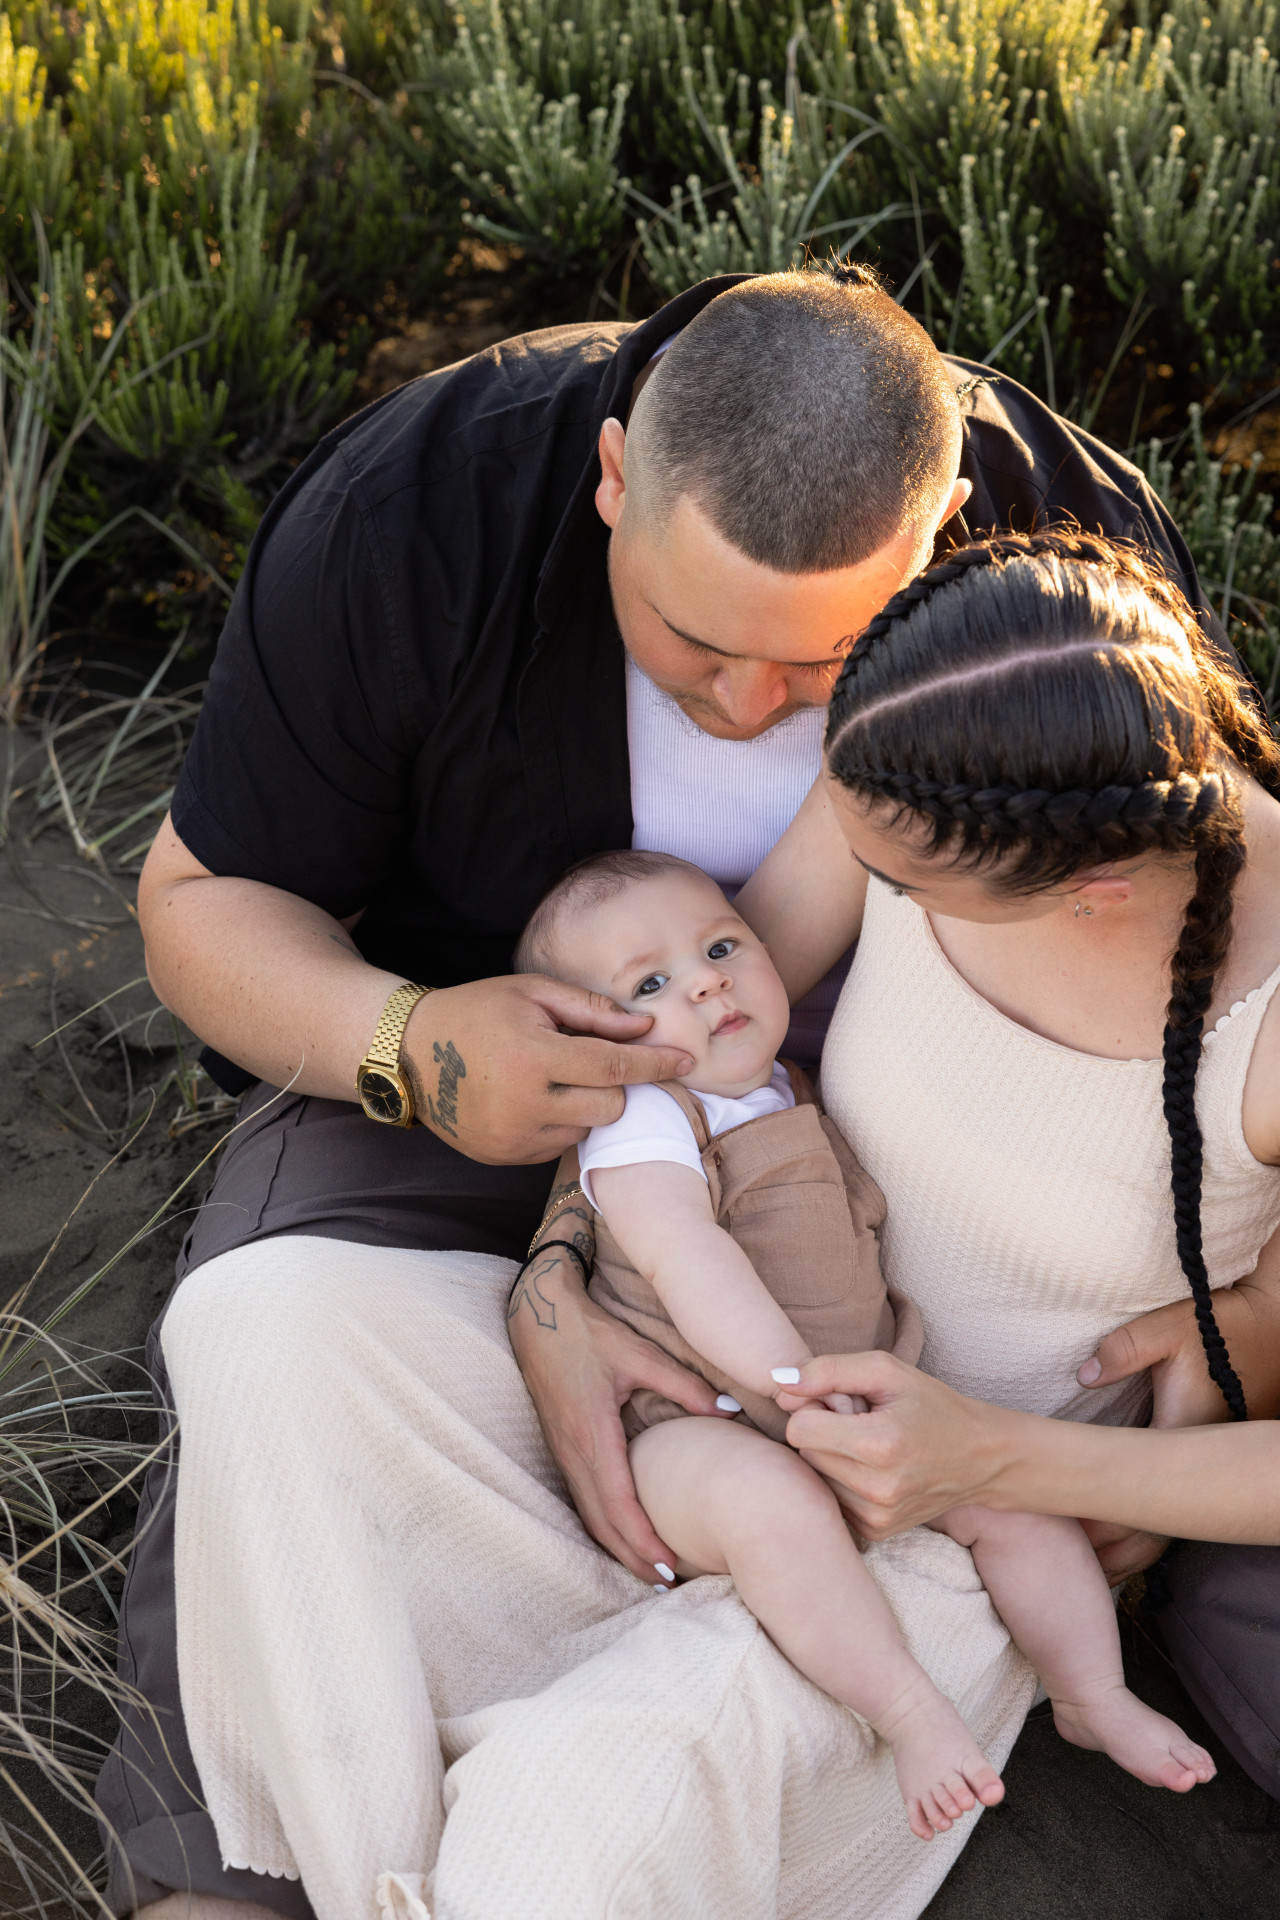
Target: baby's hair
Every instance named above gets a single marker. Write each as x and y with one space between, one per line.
600 877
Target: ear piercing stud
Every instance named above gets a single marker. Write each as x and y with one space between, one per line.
1088 912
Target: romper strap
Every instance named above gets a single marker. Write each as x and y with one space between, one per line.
692 1109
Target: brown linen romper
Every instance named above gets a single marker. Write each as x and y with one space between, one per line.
788 1189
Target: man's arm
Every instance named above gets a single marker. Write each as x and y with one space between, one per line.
278 985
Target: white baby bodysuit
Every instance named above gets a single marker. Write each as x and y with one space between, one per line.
653 1127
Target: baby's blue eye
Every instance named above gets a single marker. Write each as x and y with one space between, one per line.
720 949
899 893
651 984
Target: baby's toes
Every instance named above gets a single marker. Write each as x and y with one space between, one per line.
1187 1766
946 1800
938 1818
918 1820
959 1794
986 1782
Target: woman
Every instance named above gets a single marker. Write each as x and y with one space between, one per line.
1033 749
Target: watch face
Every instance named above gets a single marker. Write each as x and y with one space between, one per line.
382 1098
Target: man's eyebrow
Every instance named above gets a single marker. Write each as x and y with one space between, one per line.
722 653
907 886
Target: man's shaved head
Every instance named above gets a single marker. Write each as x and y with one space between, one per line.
808 416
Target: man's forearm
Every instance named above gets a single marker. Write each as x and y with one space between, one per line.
1197 1483
267 979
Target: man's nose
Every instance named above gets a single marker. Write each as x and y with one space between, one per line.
750 691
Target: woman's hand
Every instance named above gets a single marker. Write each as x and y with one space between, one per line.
580 1365
919 1450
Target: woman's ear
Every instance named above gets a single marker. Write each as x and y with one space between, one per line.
1098 896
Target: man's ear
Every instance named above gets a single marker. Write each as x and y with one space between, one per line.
611 492
959 494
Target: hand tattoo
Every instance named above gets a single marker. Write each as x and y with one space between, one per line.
452 1069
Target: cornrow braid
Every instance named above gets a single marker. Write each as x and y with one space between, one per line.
1042 703
1202 947
983 553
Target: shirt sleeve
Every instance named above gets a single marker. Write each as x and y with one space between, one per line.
652 1127
298 774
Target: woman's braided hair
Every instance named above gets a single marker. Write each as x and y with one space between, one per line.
1045 703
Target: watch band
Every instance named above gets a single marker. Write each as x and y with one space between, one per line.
384 1049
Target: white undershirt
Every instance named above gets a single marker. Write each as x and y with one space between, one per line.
723 804
653 1127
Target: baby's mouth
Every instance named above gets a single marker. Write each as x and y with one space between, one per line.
732 1023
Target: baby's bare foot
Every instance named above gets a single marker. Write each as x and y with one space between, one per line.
942 1771
1114 1721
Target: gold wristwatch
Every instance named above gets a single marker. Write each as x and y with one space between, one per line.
384 1090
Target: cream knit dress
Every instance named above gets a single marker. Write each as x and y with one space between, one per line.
410 1677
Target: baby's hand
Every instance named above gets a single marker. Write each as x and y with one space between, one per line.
791 1402
843 1403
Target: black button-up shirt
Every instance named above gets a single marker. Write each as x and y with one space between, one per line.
418 703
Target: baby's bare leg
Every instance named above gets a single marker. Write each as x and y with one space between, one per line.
731 1501
1049 1590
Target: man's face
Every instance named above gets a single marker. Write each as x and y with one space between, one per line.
738 646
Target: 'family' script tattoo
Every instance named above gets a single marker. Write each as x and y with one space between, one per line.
444 1109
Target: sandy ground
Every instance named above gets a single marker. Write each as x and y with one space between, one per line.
1076 1836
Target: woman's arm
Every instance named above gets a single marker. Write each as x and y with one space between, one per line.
805 900
661 1215
922 1449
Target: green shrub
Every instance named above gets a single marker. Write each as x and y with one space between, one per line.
1079 192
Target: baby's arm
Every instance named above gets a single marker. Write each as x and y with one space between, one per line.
806 899
660 1214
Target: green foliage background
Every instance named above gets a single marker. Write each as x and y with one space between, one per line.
1083 193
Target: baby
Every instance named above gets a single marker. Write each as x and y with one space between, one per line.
737 1231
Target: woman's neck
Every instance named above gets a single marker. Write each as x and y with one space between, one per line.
1098 981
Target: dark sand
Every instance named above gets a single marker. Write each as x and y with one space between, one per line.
1076 1837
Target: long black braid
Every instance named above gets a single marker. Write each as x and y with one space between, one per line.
1061 828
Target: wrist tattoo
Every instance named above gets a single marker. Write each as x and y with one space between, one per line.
444 1108
583 1237
527 1290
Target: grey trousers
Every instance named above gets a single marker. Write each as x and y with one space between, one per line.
313 1166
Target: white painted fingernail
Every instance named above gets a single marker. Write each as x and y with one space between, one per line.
660 1566
659 1588
786 1376
727 1403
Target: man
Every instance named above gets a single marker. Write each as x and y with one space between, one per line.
589 589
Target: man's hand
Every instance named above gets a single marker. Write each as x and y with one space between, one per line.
1168 1341
580 1365
494 1075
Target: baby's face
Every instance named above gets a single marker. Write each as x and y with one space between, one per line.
673 947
